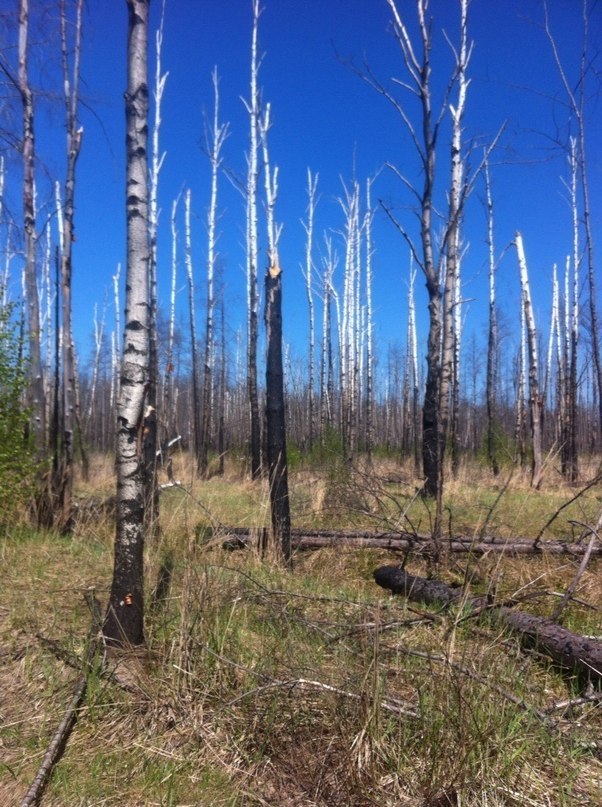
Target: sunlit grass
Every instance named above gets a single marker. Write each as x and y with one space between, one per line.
258 686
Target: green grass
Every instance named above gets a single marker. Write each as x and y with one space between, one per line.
262 687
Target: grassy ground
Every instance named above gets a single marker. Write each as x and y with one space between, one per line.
259 687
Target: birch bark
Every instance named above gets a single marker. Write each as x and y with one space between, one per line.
535 401
219 133
36 380
252 252
124 621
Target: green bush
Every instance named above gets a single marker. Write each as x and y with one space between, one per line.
17 464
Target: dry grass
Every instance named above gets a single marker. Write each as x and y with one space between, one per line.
258 687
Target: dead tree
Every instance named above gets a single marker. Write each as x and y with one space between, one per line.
275 415
36 379
580 654
253 109
151 436
169 376
492 335
570 461
369 216
215 142
535 399
124 620
577 100
330 262
276 422
64 482
196 407
312 187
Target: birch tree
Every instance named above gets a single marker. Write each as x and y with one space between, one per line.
215 142
312 187
577 104
196 408
36 380
157 160
535 400
124 621
169 376
74 139
451 245
369 334
569 454
253 108
330 262
492 335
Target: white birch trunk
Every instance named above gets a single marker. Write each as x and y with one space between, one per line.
312 187
195 420
535 402
369 333
124 621
215 142
168 381
36 379
252 107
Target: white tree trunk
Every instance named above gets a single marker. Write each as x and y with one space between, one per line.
124 621
535 401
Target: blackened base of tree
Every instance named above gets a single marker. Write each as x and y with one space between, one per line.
275 414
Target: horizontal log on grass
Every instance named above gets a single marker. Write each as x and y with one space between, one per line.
240 537
567 649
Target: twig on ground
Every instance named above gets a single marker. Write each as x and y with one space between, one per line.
573 703
580 571
61 735
389 704
554 516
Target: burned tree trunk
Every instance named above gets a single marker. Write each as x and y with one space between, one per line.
569 650
124 621
74 139
492 337
194 349
36 380
276 428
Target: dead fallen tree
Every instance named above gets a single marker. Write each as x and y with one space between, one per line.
304 540
569 650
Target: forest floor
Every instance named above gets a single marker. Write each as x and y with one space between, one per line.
262 687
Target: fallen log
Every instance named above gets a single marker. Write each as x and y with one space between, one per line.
581 655
305 540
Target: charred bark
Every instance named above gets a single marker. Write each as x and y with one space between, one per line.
275 413
581 655
308 540
124 621
36 380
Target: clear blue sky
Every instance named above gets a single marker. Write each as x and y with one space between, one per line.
326 118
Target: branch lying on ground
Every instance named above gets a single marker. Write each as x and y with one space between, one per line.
595 535
61 735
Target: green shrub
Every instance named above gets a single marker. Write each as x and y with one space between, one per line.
17 464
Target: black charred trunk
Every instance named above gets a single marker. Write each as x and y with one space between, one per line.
275 415
579 654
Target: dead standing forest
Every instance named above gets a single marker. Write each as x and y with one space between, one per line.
214 630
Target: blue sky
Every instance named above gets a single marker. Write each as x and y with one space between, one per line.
327 119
